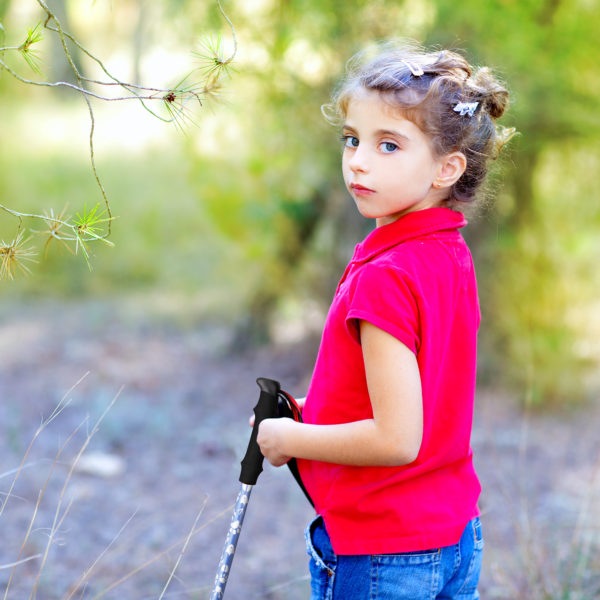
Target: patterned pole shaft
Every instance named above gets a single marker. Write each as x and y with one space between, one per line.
231 541
252 466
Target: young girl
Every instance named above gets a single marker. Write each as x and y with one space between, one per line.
384 450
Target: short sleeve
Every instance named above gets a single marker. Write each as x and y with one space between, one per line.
385 296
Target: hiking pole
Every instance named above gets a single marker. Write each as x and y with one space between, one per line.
266 408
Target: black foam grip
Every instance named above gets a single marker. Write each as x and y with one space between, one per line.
266 408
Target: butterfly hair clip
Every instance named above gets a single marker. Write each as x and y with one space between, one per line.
466 108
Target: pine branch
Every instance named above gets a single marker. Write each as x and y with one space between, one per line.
170 105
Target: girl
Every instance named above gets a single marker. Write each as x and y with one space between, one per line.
384 449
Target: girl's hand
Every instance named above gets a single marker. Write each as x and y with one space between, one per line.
271 436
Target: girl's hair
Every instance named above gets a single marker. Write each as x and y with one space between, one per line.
453 103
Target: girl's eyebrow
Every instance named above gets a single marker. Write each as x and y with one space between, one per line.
392 133
379 132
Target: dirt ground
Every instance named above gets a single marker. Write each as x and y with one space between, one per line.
158 408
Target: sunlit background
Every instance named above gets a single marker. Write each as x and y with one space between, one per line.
236 214
248 198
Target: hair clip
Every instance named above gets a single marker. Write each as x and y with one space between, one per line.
415 69
466 108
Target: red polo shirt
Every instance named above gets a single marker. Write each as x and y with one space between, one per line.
413 278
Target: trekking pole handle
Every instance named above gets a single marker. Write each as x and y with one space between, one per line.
266 408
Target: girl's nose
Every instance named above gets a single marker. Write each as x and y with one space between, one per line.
358 161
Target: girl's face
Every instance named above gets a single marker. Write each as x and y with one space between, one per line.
388 164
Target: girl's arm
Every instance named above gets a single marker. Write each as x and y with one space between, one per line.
392 437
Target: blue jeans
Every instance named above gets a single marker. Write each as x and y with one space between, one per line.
449 573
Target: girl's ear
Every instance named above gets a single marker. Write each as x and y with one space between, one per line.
452 166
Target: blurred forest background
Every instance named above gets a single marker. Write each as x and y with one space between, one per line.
230 230
243 217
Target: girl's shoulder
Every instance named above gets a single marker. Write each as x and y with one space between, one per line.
438 248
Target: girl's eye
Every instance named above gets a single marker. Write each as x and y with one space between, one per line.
350 141
388 147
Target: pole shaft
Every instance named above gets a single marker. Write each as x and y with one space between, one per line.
235 527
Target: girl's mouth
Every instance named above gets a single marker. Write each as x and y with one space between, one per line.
360 189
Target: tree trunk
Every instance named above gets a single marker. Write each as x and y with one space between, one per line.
61 70
255 328
140 40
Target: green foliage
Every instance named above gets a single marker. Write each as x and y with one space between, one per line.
273 162
530 319
535 251
260 204
162 235
540 292
95 224
29 54
278 159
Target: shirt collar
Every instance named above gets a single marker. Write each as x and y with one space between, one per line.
410 226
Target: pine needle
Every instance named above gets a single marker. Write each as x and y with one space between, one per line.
14 255
30 56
